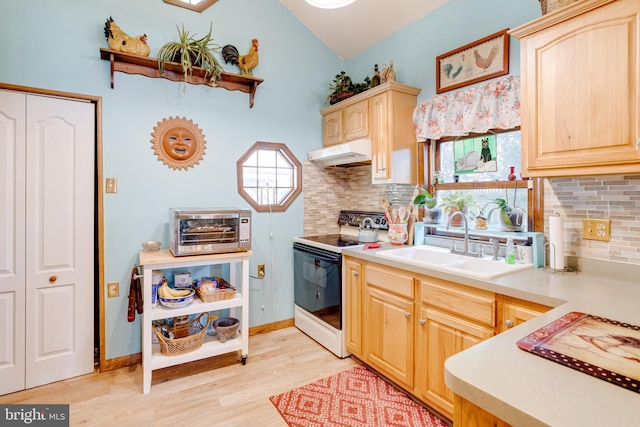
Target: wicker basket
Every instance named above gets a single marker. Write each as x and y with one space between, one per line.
549 6
225 292
187 337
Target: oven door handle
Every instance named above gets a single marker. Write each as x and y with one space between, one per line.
321 254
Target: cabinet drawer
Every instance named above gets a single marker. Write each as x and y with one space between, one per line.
390 280
471 303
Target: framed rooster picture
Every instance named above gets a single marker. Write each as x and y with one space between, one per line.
481 60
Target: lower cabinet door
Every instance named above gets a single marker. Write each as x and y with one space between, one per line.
389 336
440 336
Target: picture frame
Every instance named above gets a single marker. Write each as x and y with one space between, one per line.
480 60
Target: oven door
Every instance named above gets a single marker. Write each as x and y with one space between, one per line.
317 276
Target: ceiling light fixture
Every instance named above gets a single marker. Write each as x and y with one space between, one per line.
329 4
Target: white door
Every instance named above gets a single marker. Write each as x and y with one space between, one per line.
56 318
12 243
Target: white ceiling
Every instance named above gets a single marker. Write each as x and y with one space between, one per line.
352 29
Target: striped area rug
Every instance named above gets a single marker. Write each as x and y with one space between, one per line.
354 398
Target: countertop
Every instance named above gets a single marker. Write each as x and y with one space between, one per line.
524 389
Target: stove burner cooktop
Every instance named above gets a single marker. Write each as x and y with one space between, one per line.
339 240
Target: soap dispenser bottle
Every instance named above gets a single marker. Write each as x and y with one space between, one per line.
510 252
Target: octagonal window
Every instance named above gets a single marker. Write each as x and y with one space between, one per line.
269 176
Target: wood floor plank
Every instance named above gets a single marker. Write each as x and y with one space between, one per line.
216 392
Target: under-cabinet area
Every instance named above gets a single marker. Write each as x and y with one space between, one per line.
405 325
236 265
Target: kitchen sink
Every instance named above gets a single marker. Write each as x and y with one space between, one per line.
443 260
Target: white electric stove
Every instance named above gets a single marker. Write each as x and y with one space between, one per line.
317 274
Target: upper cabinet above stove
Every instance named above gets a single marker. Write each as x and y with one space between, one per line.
383 114
580 95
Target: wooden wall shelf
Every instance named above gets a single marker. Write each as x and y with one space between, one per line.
145 66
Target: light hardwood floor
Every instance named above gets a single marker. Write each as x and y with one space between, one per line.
213 392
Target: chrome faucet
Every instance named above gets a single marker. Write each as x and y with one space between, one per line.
465 250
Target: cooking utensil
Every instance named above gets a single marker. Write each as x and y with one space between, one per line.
402 214
388 212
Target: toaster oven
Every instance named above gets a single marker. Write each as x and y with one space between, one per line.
197 231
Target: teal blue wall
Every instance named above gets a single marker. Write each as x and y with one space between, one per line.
54 45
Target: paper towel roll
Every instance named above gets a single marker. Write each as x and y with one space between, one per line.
556 240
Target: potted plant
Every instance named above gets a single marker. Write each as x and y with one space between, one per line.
457 201
511 218
342 87
190 52
425 201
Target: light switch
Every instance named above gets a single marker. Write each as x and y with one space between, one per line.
111 185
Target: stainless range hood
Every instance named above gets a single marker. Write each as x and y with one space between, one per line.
343 154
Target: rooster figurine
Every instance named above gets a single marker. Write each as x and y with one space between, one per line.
247 62
119 40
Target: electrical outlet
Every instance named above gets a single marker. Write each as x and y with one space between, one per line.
113 289
596 229
261 270
111 185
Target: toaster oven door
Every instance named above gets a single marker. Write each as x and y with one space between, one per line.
208 234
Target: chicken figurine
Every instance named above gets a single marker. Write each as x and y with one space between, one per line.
119 40
247 62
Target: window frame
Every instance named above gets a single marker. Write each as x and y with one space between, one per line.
534 185
297 175
200 7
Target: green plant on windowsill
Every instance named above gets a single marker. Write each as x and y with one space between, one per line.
511 218
424 200
190 52
458 201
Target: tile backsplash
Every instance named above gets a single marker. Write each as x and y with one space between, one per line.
328 190
616 197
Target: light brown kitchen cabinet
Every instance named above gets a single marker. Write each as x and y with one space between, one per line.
353 306
389 319
580 94
394 145
405 325
467 414
383 114
452 318
348 123
513 312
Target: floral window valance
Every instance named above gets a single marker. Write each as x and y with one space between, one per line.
494 105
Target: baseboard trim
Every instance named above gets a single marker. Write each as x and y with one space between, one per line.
134 359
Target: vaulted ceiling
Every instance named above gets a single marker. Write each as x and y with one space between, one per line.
353 29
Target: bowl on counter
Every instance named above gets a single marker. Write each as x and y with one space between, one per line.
178 302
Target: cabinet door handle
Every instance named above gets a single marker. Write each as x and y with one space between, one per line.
509 323
406 314
53 278
356 274
422 322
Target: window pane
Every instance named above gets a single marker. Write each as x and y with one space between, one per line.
266 177
249 177
252 192
285 178
252 160
267 157
283 161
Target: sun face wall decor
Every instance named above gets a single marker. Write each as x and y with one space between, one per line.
179 143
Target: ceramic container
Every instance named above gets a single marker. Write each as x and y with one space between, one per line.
398 233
